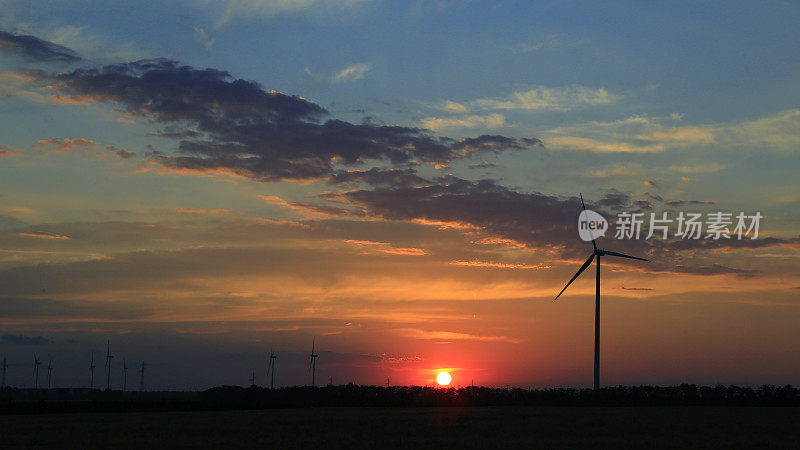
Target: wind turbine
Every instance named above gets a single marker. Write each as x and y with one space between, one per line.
5 367
124 375
271 369
91 370
49 372
141 378
36 363
596 253
108 365
312 365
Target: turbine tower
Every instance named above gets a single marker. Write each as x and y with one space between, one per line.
36 363
49 372
271 369
5 367
91 370
108 365
141 378
312 365
124 375
596 253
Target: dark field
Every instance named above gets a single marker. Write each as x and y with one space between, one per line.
446 427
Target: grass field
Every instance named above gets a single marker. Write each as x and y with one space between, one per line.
497 427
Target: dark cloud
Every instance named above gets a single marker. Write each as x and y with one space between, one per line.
380 177
33 48
233 125
11 339
483 165
541 221
615 200
678 203
124 154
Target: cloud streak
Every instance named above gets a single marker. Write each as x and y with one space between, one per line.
35 49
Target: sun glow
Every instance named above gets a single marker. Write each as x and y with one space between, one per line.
443 378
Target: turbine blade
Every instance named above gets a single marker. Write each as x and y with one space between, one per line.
584 208
622 255
583 267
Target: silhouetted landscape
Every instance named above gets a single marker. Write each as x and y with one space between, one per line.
351 416
22 401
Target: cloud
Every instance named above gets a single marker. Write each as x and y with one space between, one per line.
441 123
234 10
555 99
537 221
351 73
64 145
370 247
43 235
6 152
124 154
617 170
482 165
639 134
678 203
415 333
379 177
11 339
247 131
497 265
699 168
35 49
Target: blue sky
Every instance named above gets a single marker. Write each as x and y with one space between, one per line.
495 113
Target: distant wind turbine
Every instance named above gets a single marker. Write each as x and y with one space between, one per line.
271 369
5 367
124 375
36 363
312 365
596 253
108 365
91 370
141 378
49 372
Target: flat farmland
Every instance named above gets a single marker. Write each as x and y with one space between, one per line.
445 427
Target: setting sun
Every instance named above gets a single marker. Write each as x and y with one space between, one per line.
443 378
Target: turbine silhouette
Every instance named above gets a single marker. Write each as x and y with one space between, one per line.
312 365
596 253
271 369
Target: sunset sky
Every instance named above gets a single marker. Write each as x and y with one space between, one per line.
198 182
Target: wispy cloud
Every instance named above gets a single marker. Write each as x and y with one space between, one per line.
230 11
496 265
639 134
351 73
416 333
387 248
543 98
43 235
490 121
